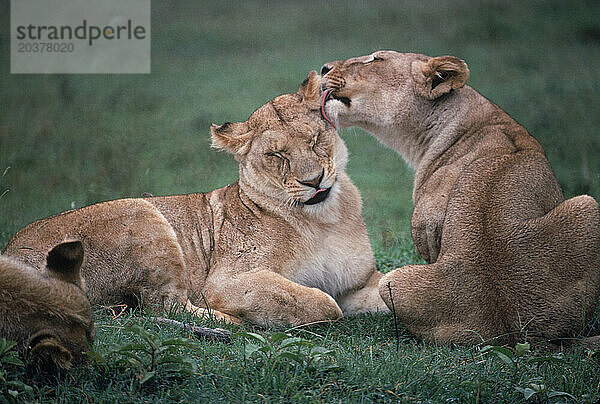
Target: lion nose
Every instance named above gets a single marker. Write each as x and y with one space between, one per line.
326 68
315 182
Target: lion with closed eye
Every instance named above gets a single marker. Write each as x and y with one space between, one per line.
285 245
508 257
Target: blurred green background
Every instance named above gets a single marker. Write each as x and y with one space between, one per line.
72 140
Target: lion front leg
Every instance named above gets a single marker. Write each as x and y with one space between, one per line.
431 202
268 299
426 230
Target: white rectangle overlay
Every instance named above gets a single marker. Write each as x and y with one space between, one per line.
80 36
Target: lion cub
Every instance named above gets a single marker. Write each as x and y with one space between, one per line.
286 244
47 312
508 255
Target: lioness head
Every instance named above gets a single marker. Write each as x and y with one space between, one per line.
386 87
287 152
47 312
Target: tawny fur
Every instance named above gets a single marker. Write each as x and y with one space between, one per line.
251 251
508 255
46 311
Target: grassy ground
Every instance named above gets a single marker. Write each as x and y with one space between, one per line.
71 140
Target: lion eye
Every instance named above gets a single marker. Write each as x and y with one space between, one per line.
374 59
283 162
319 149
279 155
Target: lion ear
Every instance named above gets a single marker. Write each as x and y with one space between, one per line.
49 352
64 262
310 90
232 137
439 75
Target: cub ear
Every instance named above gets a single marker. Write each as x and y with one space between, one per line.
64 262
232 137
439 75
310 90
49 352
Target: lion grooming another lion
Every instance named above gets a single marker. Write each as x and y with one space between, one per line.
46 311
508 256
286 244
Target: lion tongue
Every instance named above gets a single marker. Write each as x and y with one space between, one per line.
319 196
318 191
325 95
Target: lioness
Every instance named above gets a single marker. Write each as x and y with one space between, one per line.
46 312
508 255
286 244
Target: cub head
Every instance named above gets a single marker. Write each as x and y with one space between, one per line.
61 327
288 155
382 88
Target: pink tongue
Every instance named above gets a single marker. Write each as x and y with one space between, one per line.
325 94
319 190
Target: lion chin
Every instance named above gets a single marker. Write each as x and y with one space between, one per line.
284 245
508 257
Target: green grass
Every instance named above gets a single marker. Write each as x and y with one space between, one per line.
72 140
363 366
